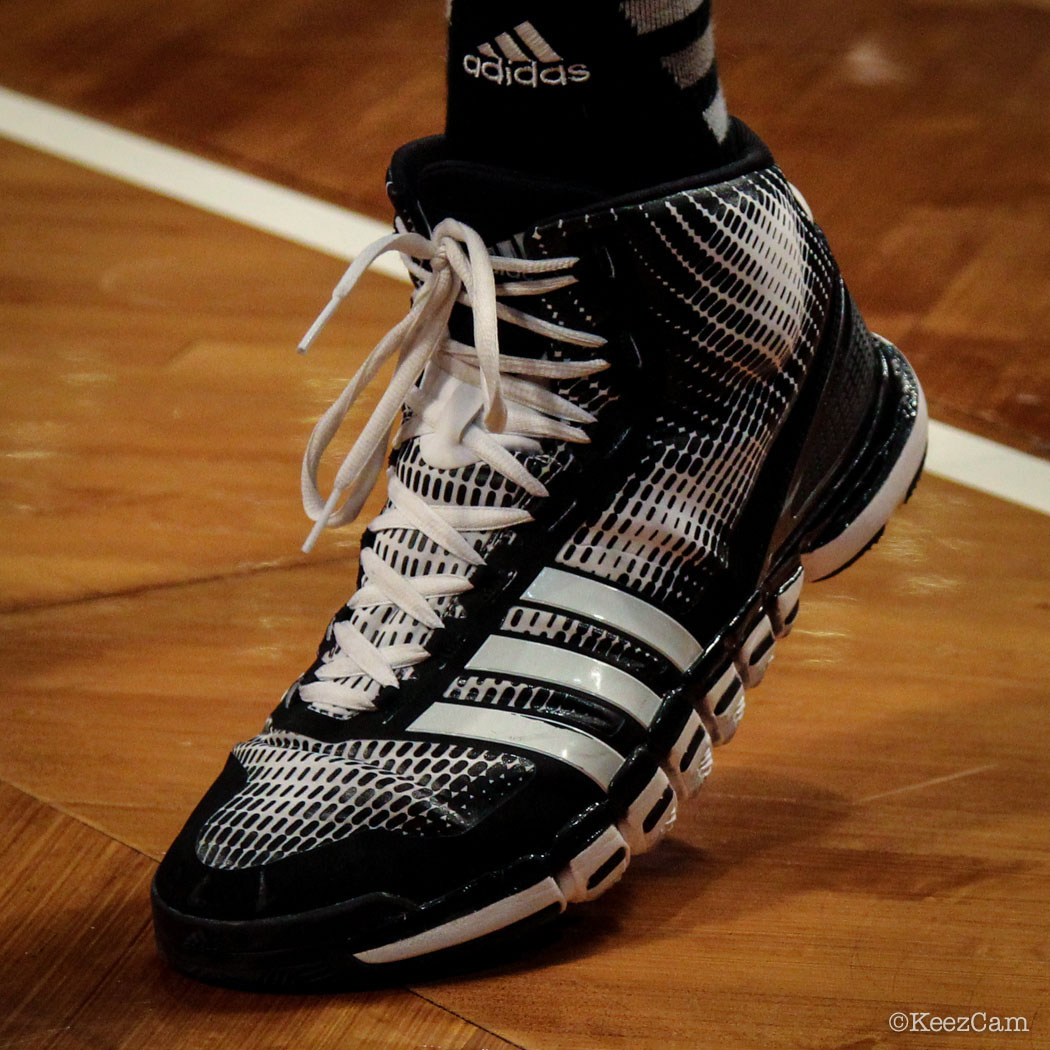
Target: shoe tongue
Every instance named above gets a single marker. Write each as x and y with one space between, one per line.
427 185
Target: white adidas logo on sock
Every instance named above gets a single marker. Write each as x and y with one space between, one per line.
522 57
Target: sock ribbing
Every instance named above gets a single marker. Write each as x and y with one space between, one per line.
692 66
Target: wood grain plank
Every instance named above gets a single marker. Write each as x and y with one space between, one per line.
157 686
316 87
71 904
153 410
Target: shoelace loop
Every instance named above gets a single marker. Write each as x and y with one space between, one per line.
452 266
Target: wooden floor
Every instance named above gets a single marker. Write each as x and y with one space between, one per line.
874 840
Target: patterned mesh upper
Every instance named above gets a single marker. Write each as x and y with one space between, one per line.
411 553
302 794
737 285
735 282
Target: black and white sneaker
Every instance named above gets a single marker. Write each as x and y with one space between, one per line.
626 435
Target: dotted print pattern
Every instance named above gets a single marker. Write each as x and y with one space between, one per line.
738 284
302 794
539 700
411 553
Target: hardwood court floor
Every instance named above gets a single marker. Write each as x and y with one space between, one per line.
873 840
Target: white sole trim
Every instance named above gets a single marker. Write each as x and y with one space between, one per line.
644 809
756 653
851 541
689 761
469 927
583 878
722 706
785 607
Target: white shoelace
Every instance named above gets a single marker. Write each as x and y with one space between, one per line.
514 410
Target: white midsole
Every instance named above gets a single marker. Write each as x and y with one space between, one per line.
493 917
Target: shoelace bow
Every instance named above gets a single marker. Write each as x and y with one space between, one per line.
456 268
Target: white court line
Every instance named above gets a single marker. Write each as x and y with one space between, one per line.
193 180
954 454
988 466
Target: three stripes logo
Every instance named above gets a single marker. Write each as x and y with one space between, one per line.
517 659
523 58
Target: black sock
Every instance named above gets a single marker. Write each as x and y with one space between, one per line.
618 94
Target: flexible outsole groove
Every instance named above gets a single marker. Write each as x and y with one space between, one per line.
756 653
651 815
721 706
689 760
596 868
783 609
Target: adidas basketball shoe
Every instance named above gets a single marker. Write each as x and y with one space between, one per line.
624 436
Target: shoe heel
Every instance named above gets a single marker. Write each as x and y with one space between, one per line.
887 472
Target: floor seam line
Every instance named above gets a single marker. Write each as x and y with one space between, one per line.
465 1020
76 817
148 588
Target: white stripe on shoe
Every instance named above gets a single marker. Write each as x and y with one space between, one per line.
539 662
515 729
605 604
